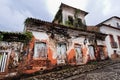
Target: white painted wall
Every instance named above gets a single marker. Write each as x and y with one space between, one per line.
70 12
40 35
115 33
113 22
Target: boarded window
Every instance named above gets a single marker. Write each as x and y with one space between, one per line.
3 61
111 38
112 42
119 41
61 52
101 52
40 50
91 52
79 57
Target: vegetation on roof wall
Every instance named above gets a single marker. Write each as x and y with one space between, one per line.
68 23
17 37
76 22
58 16
1 37
29 36
32 21
27 21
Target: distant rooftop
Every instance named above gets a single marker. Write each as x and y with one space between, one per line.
109 19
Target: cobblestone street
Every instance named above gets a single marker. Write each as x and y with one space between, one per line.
103 70
111 72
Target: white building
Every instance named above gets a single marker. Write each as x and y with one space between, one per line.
111 27
70 16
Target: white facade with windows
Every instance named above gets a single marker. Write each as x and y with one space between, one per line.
70 16
112 28
71 12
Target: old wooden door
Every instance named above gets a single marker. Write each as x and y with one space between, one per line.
79 56
91 52
61 53
101 52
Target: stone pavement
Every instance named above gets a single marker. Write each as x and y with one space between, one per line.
84 72
91 71
111 72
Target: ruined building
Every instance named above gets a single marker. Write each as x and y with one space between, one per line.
66 40
12 51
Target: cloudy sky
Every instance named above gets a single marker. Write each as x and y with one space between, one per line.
14 12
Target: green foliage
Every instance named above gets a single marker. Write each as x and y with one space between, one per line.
58 16
27 21
17 37
67 23
1 37
29 36
76 24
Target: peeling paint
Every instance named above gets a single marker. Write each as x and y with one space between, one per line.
10 55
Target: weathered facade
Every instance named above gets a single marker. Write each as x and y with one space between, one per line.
55 45
65 41
13 50
9 55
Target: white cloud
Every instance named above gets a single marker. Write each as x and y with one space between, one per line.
14 12
106 7
10 18
53 6
100 10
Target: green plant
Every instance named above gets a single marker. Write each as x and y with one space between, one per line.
29 36
27 21
58 16
1 37
17 37
68 23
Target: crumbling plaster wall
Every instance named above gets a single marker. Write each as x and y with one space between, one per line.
52 36
13 52
70 44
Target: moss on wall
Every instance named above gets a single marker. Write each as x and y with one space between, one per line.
18 37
